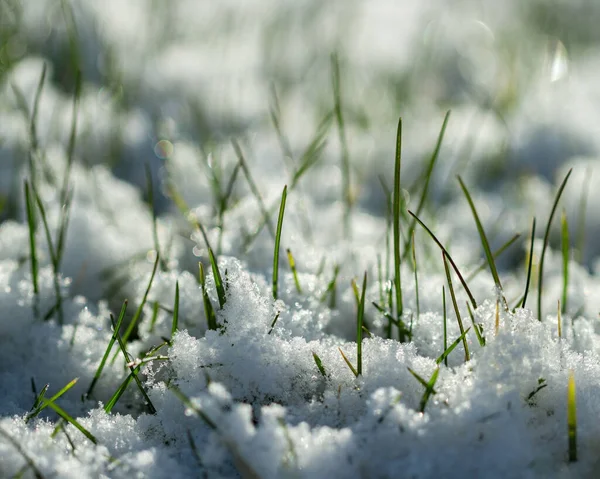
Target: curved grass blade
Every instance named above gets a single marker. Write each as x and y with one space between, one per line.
529 264
396 227
449 349
484 241
496 253
456 310
278 243
546 241
447 255
352 368
428 173
44 403
319 364
218 279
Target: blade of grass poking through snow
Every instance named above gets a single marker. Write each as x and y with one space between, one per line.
529 264
209 312
546 241
496 253
175 324
218 279
572 418
331 288
484 241
352 368
44 403
292 263
253 187
32 245
150 188
54 261
140 308
278 243
274 323
345 158
447 255
360 316
428 385
456 310
134 369
427 178
449 349
62 413
564 226
107 352
396 214
319 364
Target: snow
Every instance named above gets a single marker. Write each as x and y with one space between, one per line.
168 90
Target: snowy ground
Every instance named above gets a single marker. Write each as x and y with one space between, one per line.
185 122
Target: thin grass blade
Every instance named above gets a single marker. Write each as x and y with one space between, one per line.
278 243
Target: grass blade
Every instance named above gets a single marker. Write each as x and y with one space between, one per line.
107 352
447 255
445 323
352 368
478 328
319 364
278 243
396 215
456 310
359 326
529 264
428 385
62 413
416 273
565 258
546 241
175 324
495 254
274 323
32 244
427 179
292 263
209 312
484 241
47 402
449 349
218 279
347 199
572 418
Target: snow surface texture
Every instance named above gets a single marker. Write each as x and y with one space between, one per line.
265 392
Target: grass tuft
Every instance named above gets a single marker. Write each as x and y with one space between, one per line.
546 242
278 243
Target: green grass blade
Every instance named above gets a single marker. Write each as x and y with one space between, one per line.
193 407
478 328
319 364
546 241
416 274
428 385
253 187
274 322
211 319
218 279
313 151
107 352
360 316
62 413
449 349
278 243
389 316
572 418
47 402
331 288
140 308
447 255
39 397
175 324
529 264
456 310
496 254
484 241
427 178
352 368
347 199
396 214
565 259
32 244
292 263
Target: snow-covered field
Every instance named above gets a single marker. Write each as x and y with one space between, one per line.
157 158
